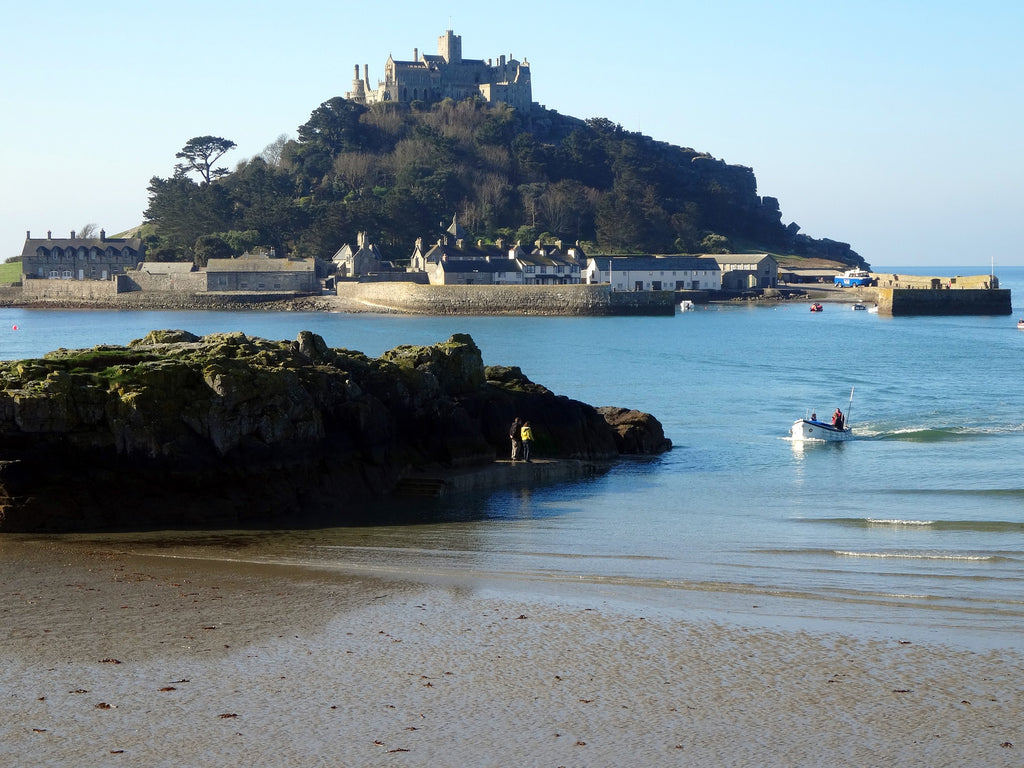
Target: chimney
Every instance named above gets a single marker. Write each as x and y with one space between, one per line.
355 76
28 234
415 54
72 234
103 235
366 73
49 235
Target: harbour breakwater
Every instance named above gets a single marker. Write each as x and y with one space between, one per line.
580 299
175 430
396 297
898 295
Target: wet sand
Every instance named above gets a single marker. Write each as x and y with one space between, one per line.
112 659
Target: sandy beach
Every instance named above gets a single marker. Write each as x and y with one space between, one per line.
115 659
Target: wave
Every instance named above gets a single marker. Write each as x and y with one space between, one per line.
944 556
992 556
983 526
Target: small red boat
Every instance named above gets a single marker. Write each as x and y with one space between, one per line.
816 307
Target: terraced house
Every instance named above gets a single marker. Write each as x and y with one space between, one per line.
79 258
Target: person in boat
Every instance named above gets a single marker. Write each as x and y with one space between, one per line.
838 419
814 417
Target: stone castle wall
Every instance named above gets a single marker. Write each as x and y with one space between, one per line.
508 300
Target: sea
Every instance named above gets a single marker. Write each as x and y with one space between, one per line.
914 529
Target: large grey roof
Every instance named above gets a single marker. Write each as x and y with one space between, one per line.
656 264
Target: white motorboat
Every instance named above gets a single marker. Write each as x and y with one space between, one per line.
812 429
686 305
806 429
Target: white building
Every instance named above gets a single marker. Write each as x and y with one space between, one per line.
655 273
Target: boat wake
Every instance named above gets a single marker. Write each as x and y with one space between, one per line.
938 434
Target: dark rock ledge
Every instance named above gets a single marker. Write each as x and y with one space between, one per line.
176 430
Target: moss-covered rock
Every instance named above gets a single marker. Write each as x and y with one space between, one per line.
180 430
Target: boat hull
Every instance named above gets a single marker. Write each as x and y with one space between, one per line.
805 429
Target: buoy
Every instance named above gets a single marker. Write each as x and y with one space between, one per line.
14 327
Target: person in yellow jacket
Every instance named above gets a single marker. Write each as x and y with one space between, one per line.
527 435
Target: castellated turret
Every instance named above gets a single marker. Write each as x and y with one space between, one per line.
358 92
447 75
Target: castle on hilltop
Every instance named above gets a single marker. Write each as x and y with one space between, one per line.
447 75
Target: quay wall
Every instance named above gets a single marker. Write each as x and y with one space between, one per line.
508 300
978 282
69 290
188 282
962 301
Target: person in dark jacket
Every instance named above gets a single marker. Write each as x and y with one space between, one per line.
515 433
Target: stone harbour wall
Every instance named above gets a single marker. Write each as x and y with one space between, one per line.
508 300
963 301
69 290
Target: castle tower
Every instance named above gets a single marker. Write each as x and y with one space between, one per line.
358 92
449 47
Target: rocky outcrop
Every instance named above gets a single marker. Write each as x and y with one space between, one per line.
635 432
226 430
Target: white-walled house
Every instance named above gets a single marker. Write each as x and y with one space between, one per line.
655 273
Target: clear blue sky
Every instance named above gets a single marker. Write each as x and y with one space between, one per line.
894 126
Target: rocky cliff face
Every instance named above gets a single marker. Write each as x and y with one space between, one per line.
176 430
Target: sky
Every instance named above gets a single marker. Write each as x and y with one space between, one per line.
891 125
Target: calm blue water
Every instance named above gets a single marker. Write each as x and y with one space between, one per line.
915 527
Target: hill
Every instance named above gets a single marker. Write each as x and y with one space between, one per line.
399 172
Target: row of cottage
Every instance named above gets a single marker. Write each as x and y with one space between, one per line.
449 261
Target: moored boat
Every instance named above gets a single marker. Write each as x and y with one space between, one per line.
860 306
816 307
1020 325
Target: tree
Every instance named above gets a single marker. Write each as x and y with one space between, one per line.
183 211
210 247
200 153
271 154
89 231
334 127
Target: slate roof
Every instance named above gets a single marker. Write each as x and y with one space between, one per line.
259 265
34 243
656 264
479 265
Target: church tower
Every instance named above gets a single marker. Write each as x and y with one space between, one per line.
449 47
